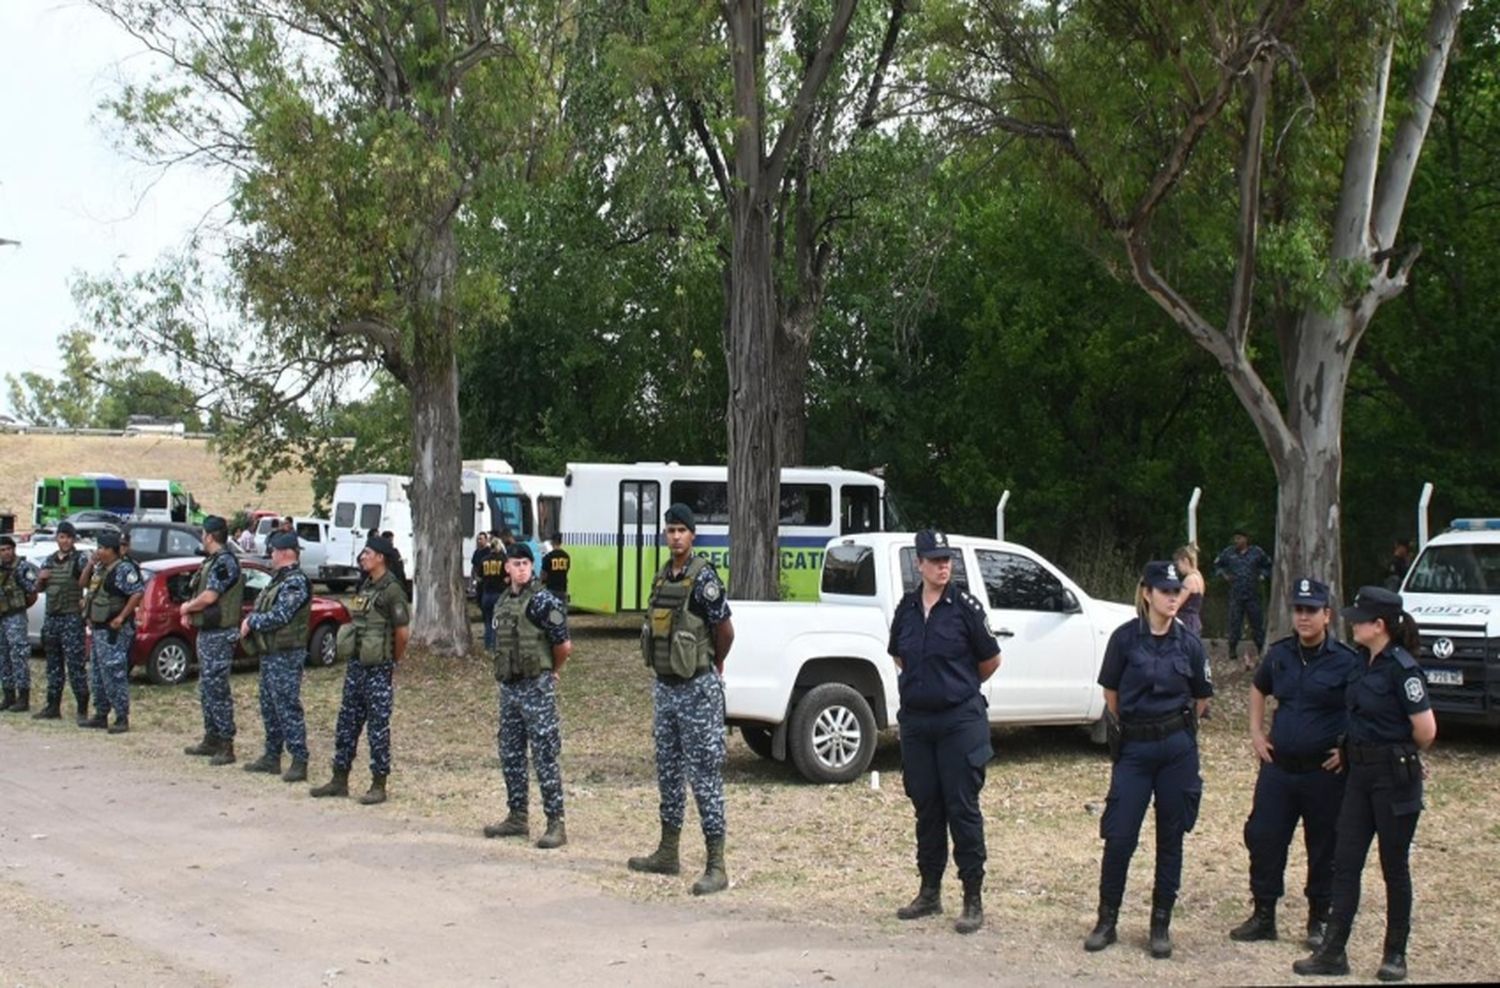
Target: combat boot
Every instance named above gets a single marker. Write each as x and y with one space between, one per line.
295 772
23 702
336 786
663 860
973 915
1260 926
1103 933
929 902
1330 957
7 699
225 754
268 763
714 879
120 726
1317 922
1393 959
208 746
1161 927
97 722
52 711
556 835
516 824
83 710
376 793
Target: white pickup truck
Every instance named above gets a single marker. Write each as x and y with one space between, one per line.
813 681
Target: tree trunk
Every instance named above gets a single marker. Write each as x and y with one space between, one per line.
793 353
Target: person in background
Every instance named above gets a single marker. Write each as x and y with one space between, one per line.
1243 566
492 583
1193 589
555 566
1400 563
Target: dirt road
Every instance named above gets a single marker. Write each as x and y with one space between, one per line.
122 873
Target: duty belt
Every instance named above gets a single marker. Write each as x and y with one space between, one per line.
1154 730
511 680
1372 754
1299 764
668 679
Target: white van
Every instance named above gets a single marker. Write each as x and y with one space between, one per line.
364 503
1453 590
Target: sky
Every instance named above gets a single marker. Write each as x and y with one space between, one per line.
77 205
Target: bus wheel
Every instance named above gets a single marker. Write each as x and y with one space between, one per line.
832 735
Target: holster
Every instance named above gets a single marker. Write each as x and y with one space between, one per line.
1113 736
1406 764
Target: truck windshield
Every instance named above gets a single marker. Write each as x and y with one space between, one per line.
1456 569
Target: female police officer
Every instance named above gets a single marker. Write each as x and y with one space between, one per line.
1156 683
1300 771
1390 718
941 642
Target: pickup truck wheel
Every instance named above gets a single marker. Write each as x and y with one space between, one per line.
758 739
832 735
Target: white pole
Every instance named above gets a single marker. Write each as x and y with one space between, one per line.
1000 515
1422 504
1193 515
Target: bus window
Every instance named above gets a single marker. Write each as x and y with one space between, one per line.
806 504
343 514
83 497
179 508
117 499
50 496
709 500
512 511
549 516
468 512
859 509
153 500
369 516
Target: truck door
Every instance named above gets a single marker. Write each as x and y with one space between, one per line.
638 549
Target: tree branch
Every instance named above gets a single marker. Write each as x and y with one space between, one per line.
866 118
1242 292
807 94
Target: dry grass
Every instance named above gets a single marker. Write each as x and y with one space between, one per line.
843 854
189 461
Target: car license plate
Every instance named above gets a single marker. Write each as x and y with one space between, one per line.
1445 677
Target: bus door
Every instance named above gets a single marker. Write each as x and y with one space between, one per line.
638 545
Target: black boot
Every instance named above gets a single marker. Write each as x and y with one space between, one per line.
23 702
208 746
1330 957
973 915
225 754
336 786
1393 960
295 772
98 722
83 710
1260 926
929 901
375 795
714 878
268 763
662 861
8 699
52 711
1161 927
1317 921
1103 933
120 726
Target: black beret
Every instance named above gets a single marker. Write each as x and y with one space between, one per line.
214 525
519 550
66 528
109 540
382 545
284 540
682 515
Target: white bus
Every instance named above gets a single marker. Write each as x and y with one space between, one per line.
612 524
496 499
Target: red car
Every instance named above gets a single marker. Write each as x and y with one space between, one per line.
164 643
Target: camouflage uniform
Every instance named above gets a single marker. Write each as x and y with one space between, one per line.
62 634
369 687
15 646
1245 571
111 667
688 726
216 653
528 714
281 671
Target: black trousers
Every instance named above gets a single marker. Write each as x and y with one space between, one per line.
1281 799
943 759
1376 804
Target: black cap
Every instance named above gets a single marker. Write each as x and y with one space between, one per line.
1374 602
1309 593
382 545
1241 530
284 540
934 545
66 528
1162 574
519 550
109 540
7 540
214 525
681 514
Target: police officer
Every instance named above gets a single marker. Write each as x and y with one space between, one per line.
1243 566
214 609
61 578
381 629
686 637
532 644
18 582
1390 722
111 613
555 566
276 630
941 641
1301 775
1156 684
492 580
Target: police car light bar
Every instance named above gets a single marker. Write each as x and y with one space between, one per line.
1475 525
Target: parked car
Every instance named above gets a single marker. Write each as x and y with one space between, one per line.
165 644
151 540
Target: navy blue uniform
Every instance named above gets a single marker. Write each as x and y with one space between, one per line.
1309 687
1384 794
945 728
1157 678
1245 570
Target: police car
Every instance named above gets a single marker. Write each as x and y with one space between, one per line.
1453 590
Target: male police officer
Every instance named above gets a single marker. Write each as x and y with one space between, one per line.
555 565
214 609
686 637
531 646
17 593
492 583
381 630
62 629
1244 565
277 631
111 613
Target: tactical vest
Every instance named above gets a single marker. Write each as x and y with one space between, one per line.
674 640
521 648
224 612
374 634
106 601
12 593
64 595
293 634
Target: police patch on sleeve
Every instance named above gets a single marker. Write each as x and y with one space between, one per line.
1414 690
555 616
711 591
